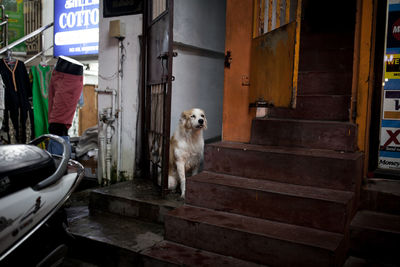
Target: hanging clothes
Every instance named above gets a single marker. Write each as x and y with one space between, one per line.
66 86
17 107
40 93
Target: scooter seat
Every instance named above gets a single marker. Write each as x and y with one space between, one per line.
22 166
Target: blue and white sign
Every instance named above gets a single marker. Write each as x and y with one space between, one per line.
76 27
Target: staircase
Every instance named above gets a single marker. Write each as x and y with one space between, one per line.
288 196
283 205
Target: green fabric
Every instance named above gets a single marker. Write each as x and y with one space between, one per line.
40 85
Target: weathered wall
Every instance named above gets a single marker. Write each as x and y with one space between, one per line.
108 66
236 114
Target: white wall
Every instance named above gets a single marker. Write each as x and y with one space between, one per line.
198 84
199 37
200 23
48 17
108 66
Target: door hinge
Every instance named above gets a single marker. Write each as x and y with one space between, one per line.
228 59
165 55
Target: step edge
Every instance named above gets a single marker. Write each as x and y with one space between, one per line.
332 154
135 200
348 194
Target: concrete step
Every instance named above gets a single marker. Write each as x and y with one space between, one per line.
381 195
304 133
251 239
110 240
319 208
310 167
375 236
316 107
172 254
137 199
359 262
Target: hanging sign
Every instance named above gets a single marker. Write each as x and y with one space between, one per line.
76 27
15 11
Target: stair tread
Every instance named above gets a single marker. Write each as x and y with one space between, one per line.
275 187
308 121
271 229
312 152
376 221
131 234
187 256
384 186
140 190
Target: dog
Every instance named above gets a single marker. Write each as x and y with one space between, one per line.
186 148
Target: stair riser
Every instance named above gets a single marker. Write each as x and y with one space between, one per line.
308 212
324 83
326 60
246 246
380 202
127 207
288 168
333 136
331 108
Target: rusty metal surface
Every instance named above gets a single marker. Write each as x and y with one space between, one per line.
272 63
159 26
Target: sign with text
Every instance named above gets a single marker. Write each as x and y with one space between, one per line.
391 105
76 27
392 66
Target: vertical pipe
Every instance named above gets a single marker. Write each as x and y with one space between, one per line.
120 62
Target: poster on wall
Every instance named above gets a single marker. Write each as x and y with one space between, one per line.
389 148
76 27
15 11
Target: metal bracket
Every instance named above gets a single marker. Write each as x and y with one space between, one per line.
228 59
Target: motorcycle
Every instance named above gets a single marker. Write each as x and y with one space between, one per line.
34 185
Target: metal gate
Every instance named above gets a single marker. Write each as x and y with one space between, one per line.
158 36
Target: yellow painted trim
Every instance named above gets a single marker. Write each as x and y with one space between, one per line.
364 89
296 54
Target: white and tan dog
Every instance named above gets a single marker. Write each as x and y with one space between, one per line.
186 148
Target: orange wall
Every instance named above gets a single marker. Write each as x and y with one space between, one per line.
236 114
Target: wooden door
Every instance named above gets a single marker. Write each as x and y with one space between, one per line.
88 113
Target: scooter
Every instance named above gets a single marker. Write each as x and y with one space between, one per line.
34 185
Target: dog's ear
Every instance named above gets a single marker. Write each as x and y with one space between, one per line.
185 119
205 119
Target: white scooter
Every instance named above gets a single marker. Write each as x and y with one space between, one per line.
34 185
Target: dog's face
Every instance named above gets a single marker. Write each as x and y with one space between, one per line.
194 119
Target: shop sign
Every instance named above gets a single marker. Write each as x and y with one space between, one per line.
389 149
391 105
76 27
15 11
392 66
